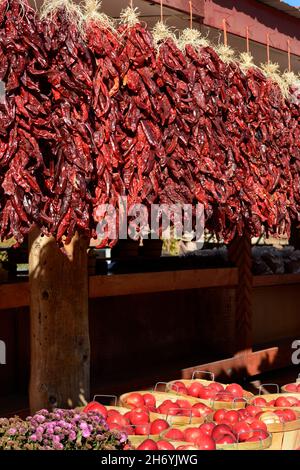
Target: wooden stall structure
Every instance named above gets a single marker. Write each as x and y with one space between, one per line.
232 326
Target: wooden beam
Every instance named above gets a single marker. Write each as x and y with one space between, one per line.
142 283
18 294
276 280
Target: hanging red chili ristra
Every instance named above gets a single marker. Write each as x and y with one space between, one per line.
23 110
69 167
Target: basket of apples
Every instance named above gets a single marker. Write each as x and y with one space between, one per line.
227 430
137 422
282 423
292 387
277 400
161 405
214 394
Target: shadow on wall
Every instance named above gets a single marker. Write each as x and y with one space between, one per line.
278 20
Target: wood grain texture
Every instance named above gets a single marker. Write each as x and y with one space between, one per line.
142 283
59 333
240 254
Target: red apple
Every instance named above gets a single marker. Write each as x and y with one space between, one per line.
158 426
126 415
293 401
216 386
148 444
195 413
203 409
205 443
194 389
207 428
289 415
139 416
183 404
282 402
281 415
252 410
168 408
192 434
255 423
235 389
149 400
207 393
226 422
174 435
117 419
291 388
179 387
221 430
243 413
135 400
243 431
219 415
259 401
95 406
142 429
164 445
232 416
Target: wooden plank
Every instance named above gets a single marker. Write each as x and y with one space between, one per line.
143 283
14 295
17 294
276 280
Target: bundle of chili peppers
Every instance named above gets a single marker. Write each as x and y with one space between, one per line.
93 112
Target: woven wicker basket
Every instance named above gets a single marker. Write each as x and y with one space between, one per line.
259 445
216 405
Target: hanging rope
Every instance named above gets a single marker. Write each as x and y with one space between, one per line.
247 40
268 48
191 13
161 11
225 32
131 3
289 55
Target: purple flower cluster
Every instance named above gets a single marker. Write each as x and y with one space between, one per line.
60 430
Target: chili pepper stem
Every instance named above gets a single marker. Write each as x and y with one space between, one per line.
73 12
161 32
129 16
192 37
92 13
272 71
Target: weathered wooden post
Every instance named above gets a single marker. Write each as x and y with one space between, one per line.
240 254
60 347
